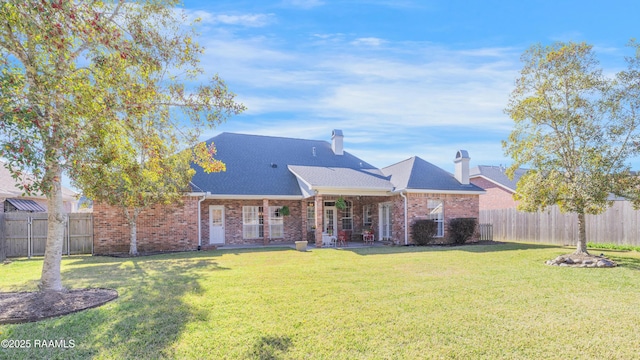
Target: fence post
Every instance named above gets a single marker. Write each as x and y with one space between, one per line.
67 218
29 238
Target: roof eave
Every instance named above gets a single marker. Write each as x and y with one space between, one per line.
436 191
495 182
252 197
328 190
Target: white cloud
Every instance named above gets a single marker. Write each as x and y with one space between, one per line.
368 41
246 20
382 97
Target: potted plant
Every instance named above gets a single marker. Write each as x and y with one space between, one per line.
341 204
284 211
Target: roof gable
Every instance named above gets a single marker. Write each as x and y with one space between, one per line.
418 174
496 174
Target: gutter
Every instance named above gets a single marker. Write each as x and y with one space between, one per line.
406 230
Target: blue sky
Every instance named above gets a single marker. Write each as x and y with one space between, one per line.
400 78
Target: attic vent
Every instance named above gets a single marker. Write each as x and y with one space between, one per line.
274 165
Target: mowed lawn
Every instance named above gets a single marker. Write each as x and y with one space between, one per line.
492 302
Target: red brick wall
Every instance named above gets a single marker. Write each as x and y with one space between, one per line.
496 197
455 206
293 223
159 228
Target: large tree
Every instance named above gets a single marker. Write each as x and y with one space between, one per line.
141 166
71 72
574 128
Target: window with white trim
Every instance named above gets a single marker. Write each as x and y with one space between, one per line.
367 216
311 216
436 213
276 222
252 221
347 216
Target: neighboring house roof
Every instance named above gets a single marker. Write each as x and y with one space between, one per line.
26 205
9 187
258 165
496 174
418 174
285 167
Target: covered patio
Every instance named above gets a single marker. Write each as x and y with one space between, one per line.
345 205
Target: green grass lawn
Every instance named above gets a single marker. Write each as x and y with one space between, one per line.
492 302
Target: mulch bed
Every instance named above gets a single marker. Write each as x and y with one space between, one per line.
21 307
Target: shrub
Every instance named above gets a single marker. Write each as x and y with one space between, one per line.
462 229
424 231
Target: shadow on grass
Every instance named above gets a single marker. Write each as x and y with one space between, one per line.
270 348
143 323
474 248
627 262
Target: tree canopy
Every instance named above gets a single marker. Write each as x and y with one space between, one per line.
575 127
75 74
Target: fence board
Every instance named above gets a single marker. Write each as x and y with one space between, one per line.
618 225
26 234
3 252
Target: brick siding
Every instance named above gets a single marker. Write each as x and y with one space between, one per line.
159 228
496 197
175 227
455 206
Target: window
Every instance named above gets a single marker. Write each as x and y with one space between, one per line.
252 221
276 222
436 214
367 217
347 216
311 216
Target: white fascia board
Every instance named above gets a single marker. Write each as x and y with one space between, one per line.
453 192
495 182
254 197
196 194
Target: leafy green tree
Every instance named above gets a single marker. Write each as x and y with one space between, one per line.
141 166
575 128
72 74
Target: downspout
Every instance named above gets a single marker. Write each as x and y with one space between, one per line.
200 221
406 230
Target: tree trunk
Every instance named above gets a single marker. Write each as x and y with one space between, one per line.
581 249
133 230
51 279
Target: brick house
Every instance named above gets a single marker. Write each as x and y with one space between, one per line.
499 188
280 190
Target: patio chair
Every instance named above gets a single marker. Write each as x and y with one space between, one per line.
343 238
368 238
328 240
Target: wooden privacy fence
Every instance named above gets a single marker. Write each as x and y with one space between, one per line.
618 225
26 234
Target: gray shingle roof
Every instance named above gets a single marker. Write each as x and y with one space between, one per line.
277 166
258 165
342 178
497 175
418 174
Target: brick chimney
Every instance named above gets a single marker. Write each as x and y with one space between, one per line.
462 167
337 142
